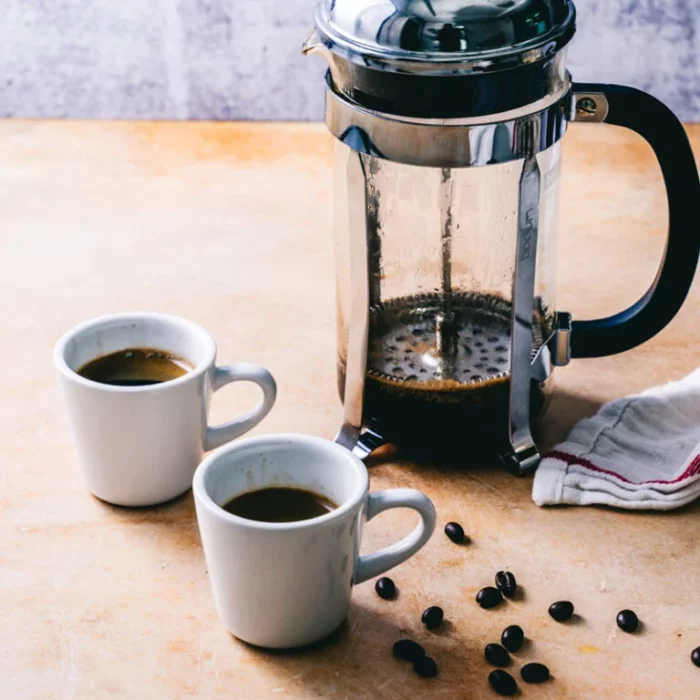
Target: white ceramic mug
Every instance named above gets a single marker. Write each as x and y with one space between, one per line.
283 585
140 445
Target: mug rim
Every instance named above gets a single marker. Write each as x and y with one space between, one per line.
335 451
59 353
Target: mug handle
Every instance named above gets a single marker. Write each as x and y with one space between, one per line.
371 565
651 119
241 372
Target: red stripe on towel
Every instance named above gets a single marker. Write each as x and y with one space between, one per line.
692 470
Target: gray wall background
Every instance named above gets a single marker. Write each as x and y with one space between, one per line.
240 59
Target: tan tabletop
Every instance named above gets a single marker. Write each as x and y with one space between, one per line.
229 226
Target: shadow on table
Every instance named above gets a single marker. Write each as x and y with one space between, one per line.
564 411
357 661
175 520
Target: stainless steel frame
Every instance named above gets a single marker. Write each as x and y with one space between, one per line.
356 363
447 144
524 455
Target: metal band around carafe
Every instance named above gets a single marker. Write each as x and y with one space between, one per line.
449 143
356 360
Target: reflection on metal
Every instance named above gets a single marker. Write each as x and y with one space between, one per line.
555 351
560 342
448 143
455 37
541 364
590 107
524 456
356 362
359 141
368 442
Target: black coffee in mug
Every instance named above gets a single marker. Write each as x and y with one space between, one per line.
135 367
279 505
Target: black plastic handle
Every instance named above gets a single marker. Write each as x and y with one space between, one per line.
654 121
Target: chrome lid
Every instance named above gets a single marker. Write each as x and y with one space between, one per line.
444 36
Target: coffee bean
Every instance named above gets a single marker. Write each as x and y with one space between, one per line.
455 532
562 610
496 655
513 637
506 584
426 667
408 650
385 588
503 683
489 597
534 673
627 621
695 657
432 617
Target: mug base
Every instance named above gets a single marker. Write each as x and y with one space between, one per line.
139 502
317 642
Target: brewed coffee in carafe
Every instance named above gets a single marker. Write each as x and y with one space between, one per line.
438 371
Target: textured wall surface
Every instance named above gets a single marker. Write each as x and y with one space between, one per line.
240 59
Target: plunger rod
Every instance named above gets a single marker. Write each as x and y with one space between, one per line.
445 329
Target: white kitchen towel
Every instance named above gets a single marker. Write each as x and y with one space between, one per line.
639 453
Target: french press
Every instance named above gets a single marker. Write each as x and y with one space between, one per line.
448 117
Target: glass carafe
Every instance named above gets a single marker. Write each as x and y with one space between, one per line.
441 269
448 117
